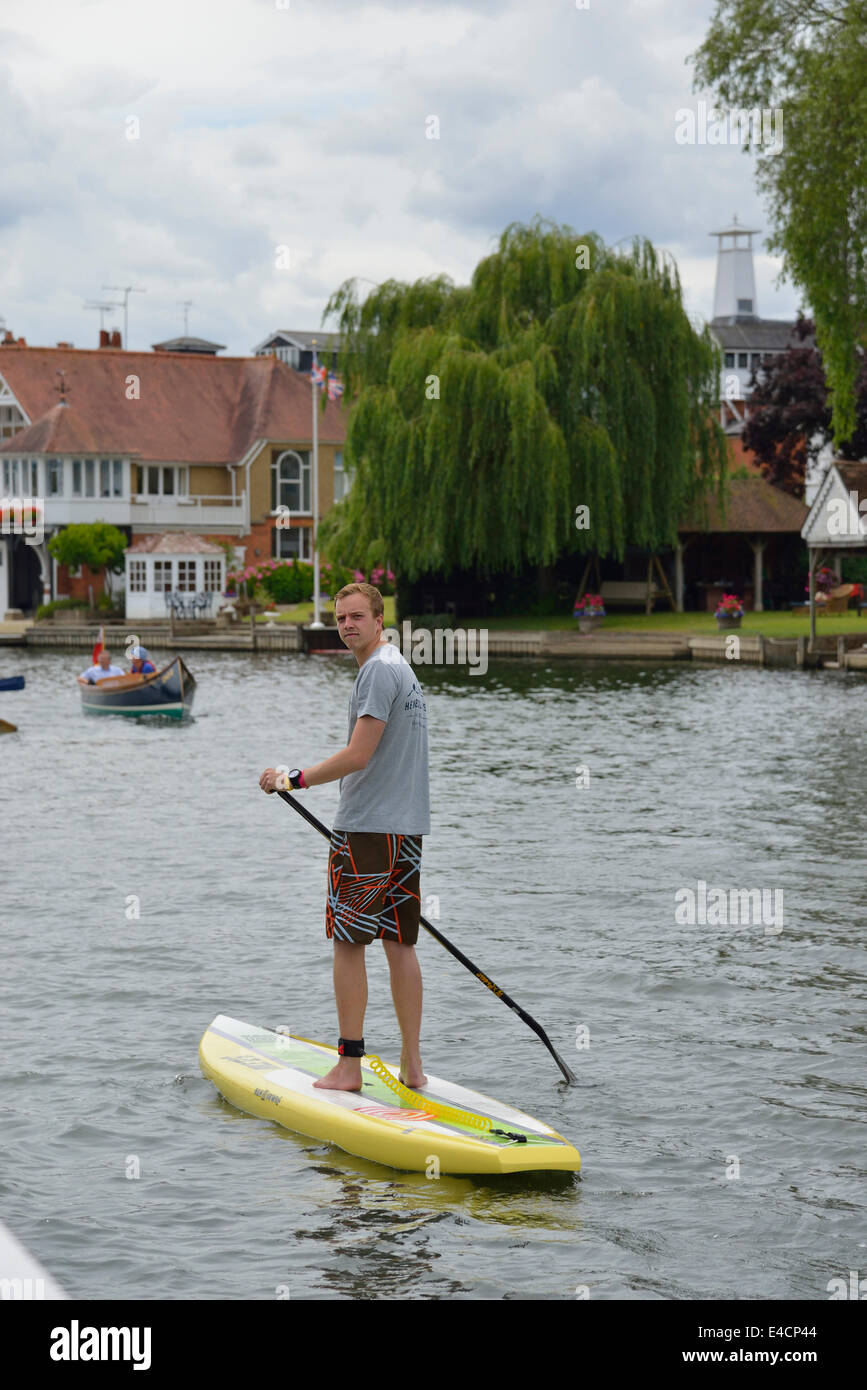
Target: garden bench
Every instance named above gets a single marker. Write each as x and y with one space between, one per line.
628 592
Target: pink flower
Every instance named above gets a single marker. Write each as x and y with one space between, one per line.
358 577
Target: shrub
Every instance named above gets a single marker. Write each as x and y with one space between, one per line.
59 605
289 581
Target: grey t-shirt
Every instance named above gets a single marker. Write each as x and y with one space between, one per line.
392 793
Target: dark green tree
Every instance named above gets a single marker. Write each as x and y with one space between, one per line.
482 416
95 544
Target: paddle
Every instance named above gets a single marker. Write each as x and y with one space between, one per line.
458 955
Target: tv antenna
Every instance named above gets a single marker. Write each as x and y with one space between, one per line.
126 291
103 306
187 306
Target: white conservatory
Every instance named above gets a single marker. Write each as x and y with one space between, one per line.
174 573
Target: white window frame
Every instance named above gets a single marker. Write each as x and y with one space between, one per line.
303 483
283 534
186 583
212 568
180 475
138 576
166 576
55 464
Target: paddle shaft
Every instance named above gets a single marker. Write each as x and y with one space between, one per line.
458 955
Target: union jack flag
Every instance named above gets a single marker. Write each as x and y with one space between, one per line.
335 387
318 372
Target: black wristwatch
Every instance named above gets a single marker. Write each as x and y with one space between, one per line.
294 778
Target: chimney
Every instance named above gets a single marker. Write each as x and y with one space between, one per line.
9 336
115 338
22 342
64 345
104 338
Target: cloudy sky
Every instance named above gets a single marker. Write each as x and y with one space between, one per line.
178 145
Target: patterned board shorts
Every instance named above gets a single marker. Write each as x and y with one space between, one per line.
373 887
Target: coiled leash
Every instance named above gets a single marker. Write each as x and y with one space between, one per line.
354 1047
419 1102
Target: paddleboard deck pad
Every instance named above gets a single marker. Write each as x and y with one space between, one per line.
271 1074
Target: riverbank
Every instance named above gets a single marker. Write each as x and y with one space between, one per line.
840 651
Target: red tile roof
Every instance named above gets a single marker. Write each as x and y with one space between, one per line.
754 505
192 408
173 543
61 431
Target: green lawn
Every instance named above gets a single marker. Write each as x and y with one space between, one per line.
769 624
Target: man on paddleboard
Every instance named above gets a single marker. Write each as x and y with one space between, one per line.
375 855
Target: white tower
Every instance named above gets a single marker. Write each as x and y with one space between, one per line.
734 299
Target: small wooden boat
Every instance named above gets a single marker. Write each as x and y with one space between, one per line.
11 682
168 692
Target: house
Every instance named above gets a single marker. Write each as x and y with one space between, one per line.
177 439
295 348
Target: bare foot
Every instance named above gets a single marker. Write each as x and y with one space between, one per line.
414 1073
346 1076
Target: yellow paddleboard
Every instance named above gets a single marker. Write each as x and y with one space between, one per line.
454 1130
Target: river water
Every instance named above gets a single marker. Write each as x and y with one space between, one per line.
720 1114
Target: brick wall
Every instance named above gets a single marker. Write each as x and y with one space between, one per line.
79 586
259 539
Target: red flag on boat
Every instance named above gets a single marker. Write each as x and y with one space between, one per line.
100 643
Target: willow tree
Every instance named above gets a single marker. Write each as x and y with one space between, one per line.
485 417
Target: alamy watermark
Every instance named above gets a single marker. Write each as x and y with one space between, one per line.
77 1343
23 516
441 647
709 906
856 1287
711 126
847 518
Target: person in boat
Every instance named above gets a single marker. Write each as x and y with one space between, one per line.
375 853
140 663
102 670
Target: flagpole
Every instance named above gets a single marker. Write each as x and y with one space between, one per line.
314 386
